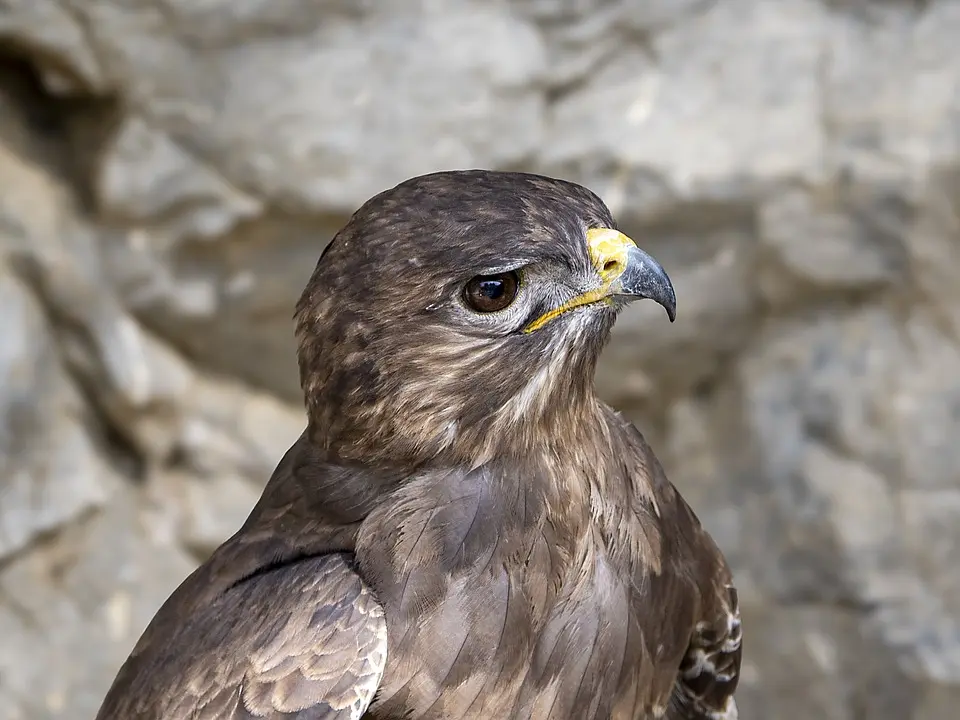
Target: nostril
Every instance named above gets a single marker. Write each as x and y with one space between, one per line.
610 266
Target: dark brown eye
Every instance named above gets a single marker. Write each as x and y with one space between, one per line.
491 293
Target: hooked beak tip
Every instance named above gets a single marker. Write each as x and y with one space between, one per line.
644 277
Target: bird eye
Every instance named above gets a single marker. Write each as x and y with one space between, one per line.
491 293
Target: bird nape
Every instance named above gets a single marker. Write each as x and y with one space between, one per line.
463 530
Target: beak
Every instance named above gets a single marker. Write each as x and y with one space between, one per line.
628 272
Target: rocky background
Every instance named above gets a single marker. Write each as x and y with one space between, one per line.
171 169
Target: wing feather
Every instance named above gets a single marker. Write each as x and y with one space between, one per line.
710 669
304 641
705 683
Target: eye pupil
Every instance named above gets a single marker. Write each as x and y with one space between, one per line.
491 293
492 289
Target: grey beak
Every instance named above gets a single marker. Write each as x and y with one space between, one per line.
644 277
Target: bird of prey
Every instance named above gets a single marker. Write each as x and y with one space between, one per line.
463 530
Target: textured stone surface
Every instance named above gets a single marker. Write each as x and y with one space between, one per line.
170 171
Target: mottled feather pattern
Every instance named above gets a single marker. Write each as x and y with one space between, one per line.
463 531
549 615
304 641
710 669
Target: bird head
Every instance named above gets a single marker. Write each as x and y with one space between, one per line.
458 313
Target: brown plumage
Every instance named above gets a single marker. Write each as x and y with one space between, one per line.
463 531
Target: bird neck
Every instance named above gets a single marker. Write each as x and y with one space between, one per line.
582 480
419 431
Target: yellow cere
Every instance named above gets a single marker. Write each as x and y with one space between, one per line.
608 253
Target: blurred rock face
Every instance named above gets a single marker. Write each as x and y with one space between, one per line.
171 170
